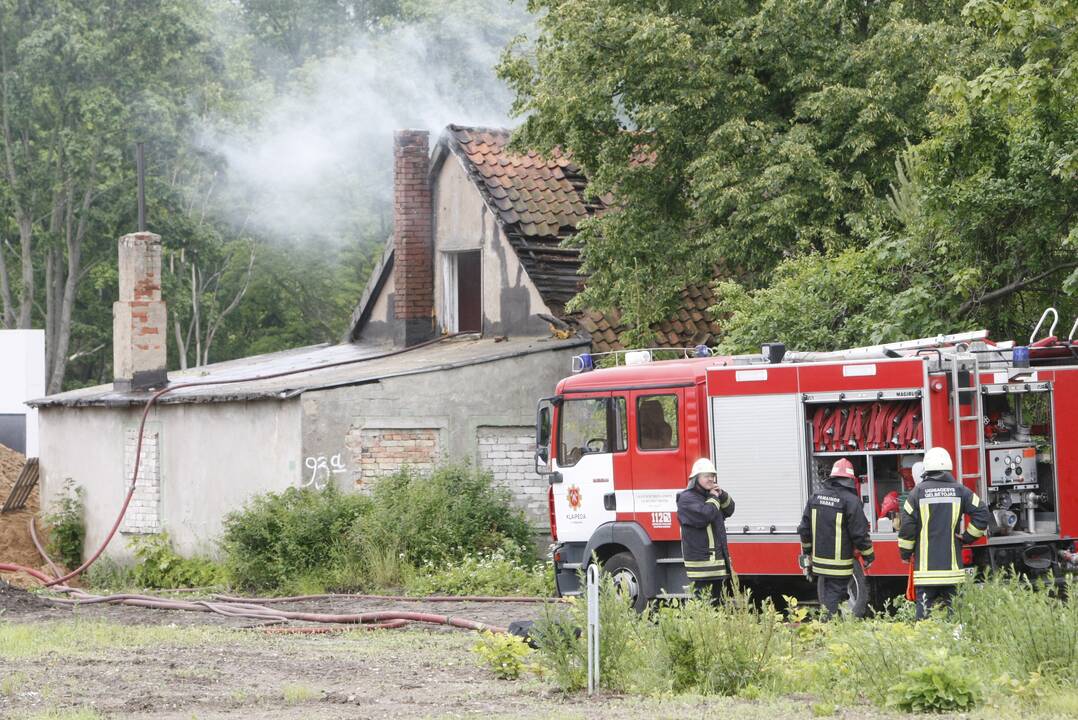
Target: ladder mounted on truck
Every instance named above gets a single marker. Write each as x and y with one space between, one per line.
967 366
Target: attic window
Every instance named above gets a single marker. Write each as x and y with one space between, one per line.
462 292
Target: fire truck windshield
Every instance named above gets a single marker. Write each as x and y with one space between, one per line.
591 425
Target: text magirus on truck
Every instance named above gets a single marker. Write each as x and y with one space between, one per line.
616 444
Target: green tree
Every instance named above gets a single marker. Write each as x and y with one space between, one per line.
729 134
979 230
80 82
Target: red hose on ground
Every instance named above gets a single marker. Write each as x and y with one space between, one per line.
393 598
244 610
50 582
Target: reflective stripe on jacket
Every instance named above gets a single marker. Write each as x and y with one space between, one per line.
832 525
703 533
930 520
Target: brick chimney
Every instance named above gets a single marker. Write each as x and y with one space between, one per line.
138 317
413 242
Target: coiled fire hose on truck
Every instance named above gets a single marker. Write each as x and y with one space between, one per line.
242 607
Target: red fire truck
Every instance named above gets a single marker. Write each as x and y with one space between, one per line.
616 445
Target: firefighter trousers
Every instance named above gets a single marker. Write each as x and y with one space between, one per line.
832 591
933 595
714 590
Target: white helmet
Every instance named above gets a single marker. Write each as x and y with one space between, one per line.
937 459
702 466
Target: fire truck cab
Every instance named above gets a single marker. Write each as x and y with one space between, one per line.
616 445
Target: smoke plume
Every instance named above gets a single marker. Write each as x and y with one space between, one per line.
318 159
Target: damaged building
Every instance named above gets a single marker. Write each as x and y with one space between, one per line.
461 329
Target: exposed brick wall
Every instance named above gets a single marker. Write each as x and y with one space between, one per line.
139 315
144 513
378 452
509 453
413 261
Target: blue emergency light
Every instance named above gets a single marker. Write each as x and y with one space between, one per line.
583 363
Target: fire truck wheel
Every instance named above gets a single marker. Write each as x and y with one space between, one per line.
859 592
626 575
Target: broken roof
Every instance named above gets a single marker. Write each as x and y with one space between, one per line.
539 203
322 367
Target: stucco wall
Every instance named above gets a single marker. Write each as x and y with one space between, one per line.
463 222
212 458
455 407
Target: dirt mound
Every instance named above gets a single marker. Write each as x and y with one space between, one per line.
15 543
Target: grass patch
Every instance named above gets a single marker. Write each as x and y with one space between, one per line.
12 683
294 694
86 637
69 714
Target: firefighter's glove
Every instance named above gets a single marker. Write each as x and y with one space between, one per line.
805 562
905 555
867 560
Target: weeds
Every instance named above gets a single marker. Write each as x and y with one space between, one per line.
496 573
720 649
67 529
159 566
507 656
941 685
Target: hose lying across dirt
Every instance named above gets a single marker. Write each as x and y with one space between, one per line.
378 618
391 598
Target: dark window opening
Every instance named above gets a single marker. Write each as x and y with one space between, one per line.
469 292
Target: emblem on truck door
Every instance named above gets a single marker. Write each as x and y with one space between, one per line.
573 496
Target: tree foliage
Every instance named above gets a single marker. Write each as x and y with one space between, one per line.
854 171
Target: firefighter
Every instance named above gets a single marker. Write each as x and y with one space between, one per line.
702 509
832 525
929 534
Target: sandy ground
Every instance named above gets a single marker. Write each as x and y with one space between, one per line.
207 666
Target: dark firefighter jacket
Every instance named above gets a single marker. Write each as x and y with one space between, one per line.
928 531
703 533
832 525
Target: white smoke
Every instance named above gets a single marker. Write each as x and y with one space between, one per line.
318 159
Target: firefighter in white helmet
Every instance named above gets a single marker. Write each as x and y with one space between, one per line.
929 534
832 527
702 509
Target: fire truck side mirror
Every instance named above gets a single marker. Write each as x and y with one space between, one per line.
543 423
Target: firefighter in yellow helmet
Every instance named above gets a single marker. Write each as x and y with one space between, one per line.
832 527
929 533
702 509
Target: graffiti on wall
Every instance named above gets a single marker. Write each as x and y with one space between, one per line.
322 468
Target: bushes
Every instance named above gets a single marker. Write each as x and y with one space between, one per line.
443 516
287 539
67 530
450 524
